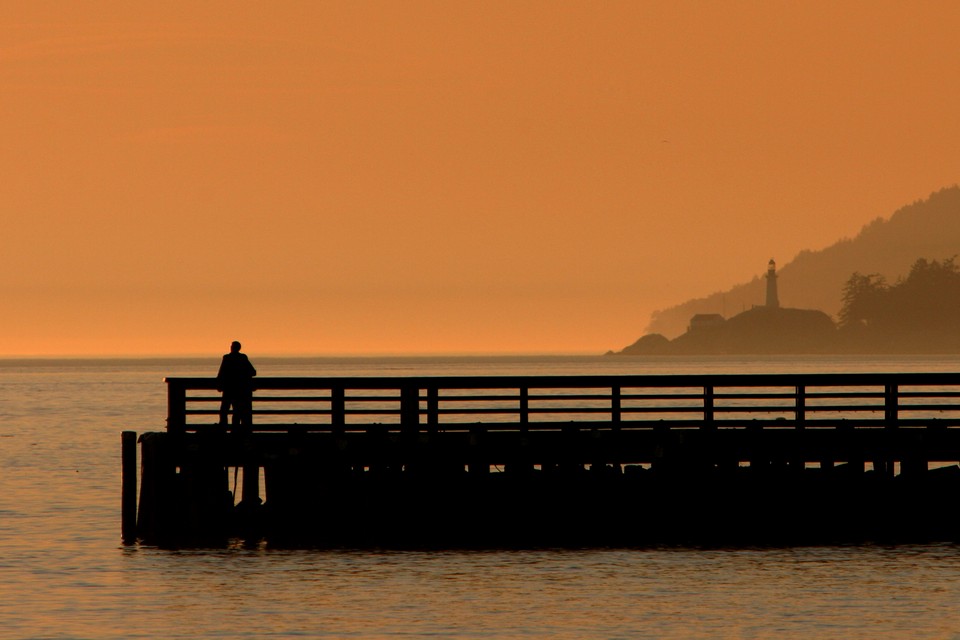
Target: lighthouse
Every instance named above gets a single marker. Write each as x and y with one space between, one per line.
772 300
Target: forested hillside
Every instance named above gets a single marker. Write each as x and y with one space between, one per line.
919 313
815 279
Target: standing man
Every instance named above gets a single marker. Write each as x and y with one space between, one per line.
235 380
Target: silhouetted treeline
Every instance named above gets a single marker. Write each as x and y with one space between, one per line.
920 312
815 279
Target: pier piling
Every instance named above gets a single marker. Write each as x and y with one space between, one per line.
128 507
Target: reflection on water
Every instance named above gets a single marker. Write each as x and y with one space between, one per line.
836 592
64 574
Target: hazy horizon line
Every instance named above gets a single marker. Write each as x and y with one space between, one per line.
278 355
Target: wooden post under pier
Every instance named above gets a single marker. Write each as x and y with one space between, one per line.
128 508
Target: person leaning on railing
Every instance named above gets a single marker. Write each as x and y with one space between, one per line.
235 380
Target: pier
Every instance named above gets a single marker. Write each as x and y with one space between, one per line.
559 460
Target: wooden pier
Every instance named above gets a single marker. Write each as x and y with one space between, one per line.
559 460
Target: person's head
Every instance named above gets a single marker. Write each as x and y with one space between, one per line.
234 347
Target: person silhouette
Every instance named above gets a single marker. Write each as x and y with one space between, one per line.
235 380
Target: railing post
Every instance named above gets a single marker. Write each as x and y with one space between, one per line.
797 461
615 407
891 414
338 411
524 410
409 409
708 407
176 406
891 404
801 406
433 409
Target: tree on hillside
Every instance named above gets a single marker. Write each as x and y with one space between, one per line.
927 300
863 299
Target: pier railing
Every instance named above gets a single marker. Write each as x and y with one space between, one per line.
785 401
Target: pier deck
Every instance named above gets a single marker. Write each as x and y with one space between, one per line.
558 460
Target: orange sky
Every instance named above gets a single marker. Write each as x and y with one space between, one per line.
429 177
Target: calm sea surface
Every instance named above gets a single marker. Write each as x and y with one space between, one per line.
64 574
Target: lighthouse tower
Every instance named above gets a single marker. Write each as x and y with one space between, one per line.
772 300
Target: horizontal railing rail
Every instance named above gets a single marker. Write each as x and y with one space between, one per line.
551 402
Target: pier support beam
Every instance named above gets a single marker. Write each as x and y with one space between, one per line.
250 491
128 507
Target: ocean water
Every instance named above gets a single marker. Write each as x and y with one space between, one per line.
64 573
